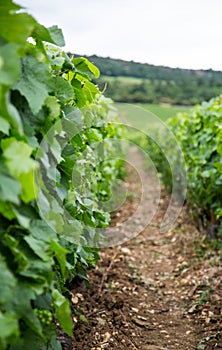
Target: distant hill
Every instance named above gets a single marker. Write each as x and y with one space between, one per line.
129 81
117 67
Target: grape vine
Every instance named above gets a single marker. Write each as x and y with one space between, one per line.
42 89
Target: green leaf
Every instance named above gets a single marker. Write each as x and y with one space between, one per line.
55 56
72 232
31 122
10 188
63 89
19 256
7 6
4 126
86 68
51 35
23 296
8 325
63 313
29 189
17 155
13 115
8 111
53 106
60 254
68 63
56 35
20 165
85 91
15 27
6 210
9 64
40 230
94 135
35 83
23 220
83 318
8 281
39 248
55 149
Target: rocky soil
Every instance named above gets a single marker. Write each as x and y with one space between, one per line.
155 291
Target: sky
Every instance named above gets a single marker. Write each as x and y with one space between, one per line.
175 33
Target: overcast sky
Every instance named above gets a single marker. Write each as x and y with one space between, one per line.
174 33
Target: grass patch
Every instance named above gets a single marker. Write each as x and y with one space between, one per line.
163 111
124 80
146 116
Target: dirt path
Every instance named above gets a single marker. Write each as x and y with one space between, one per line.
154 292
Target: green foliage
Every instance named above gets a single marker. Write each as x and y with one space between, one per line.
134 82
50 186
204 296
199 135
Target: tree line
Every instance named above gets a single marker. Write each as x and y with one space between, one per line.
155 84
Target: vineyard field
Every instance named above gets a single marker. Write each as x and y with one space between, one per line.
110 198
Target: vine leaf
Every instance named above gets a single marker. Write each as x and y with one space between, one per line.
9 64
8 281
63 311
51 35
17 155
8 325
86 68
15 27
63 89
35 82
4 126
10 188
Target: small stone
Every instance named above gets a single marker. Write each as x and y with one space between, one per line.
80 296
161 284
151 312
142 318
184 281
126 250
75 299
134 309
141 323
106 337
193 309
211 314
101 321
75 319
